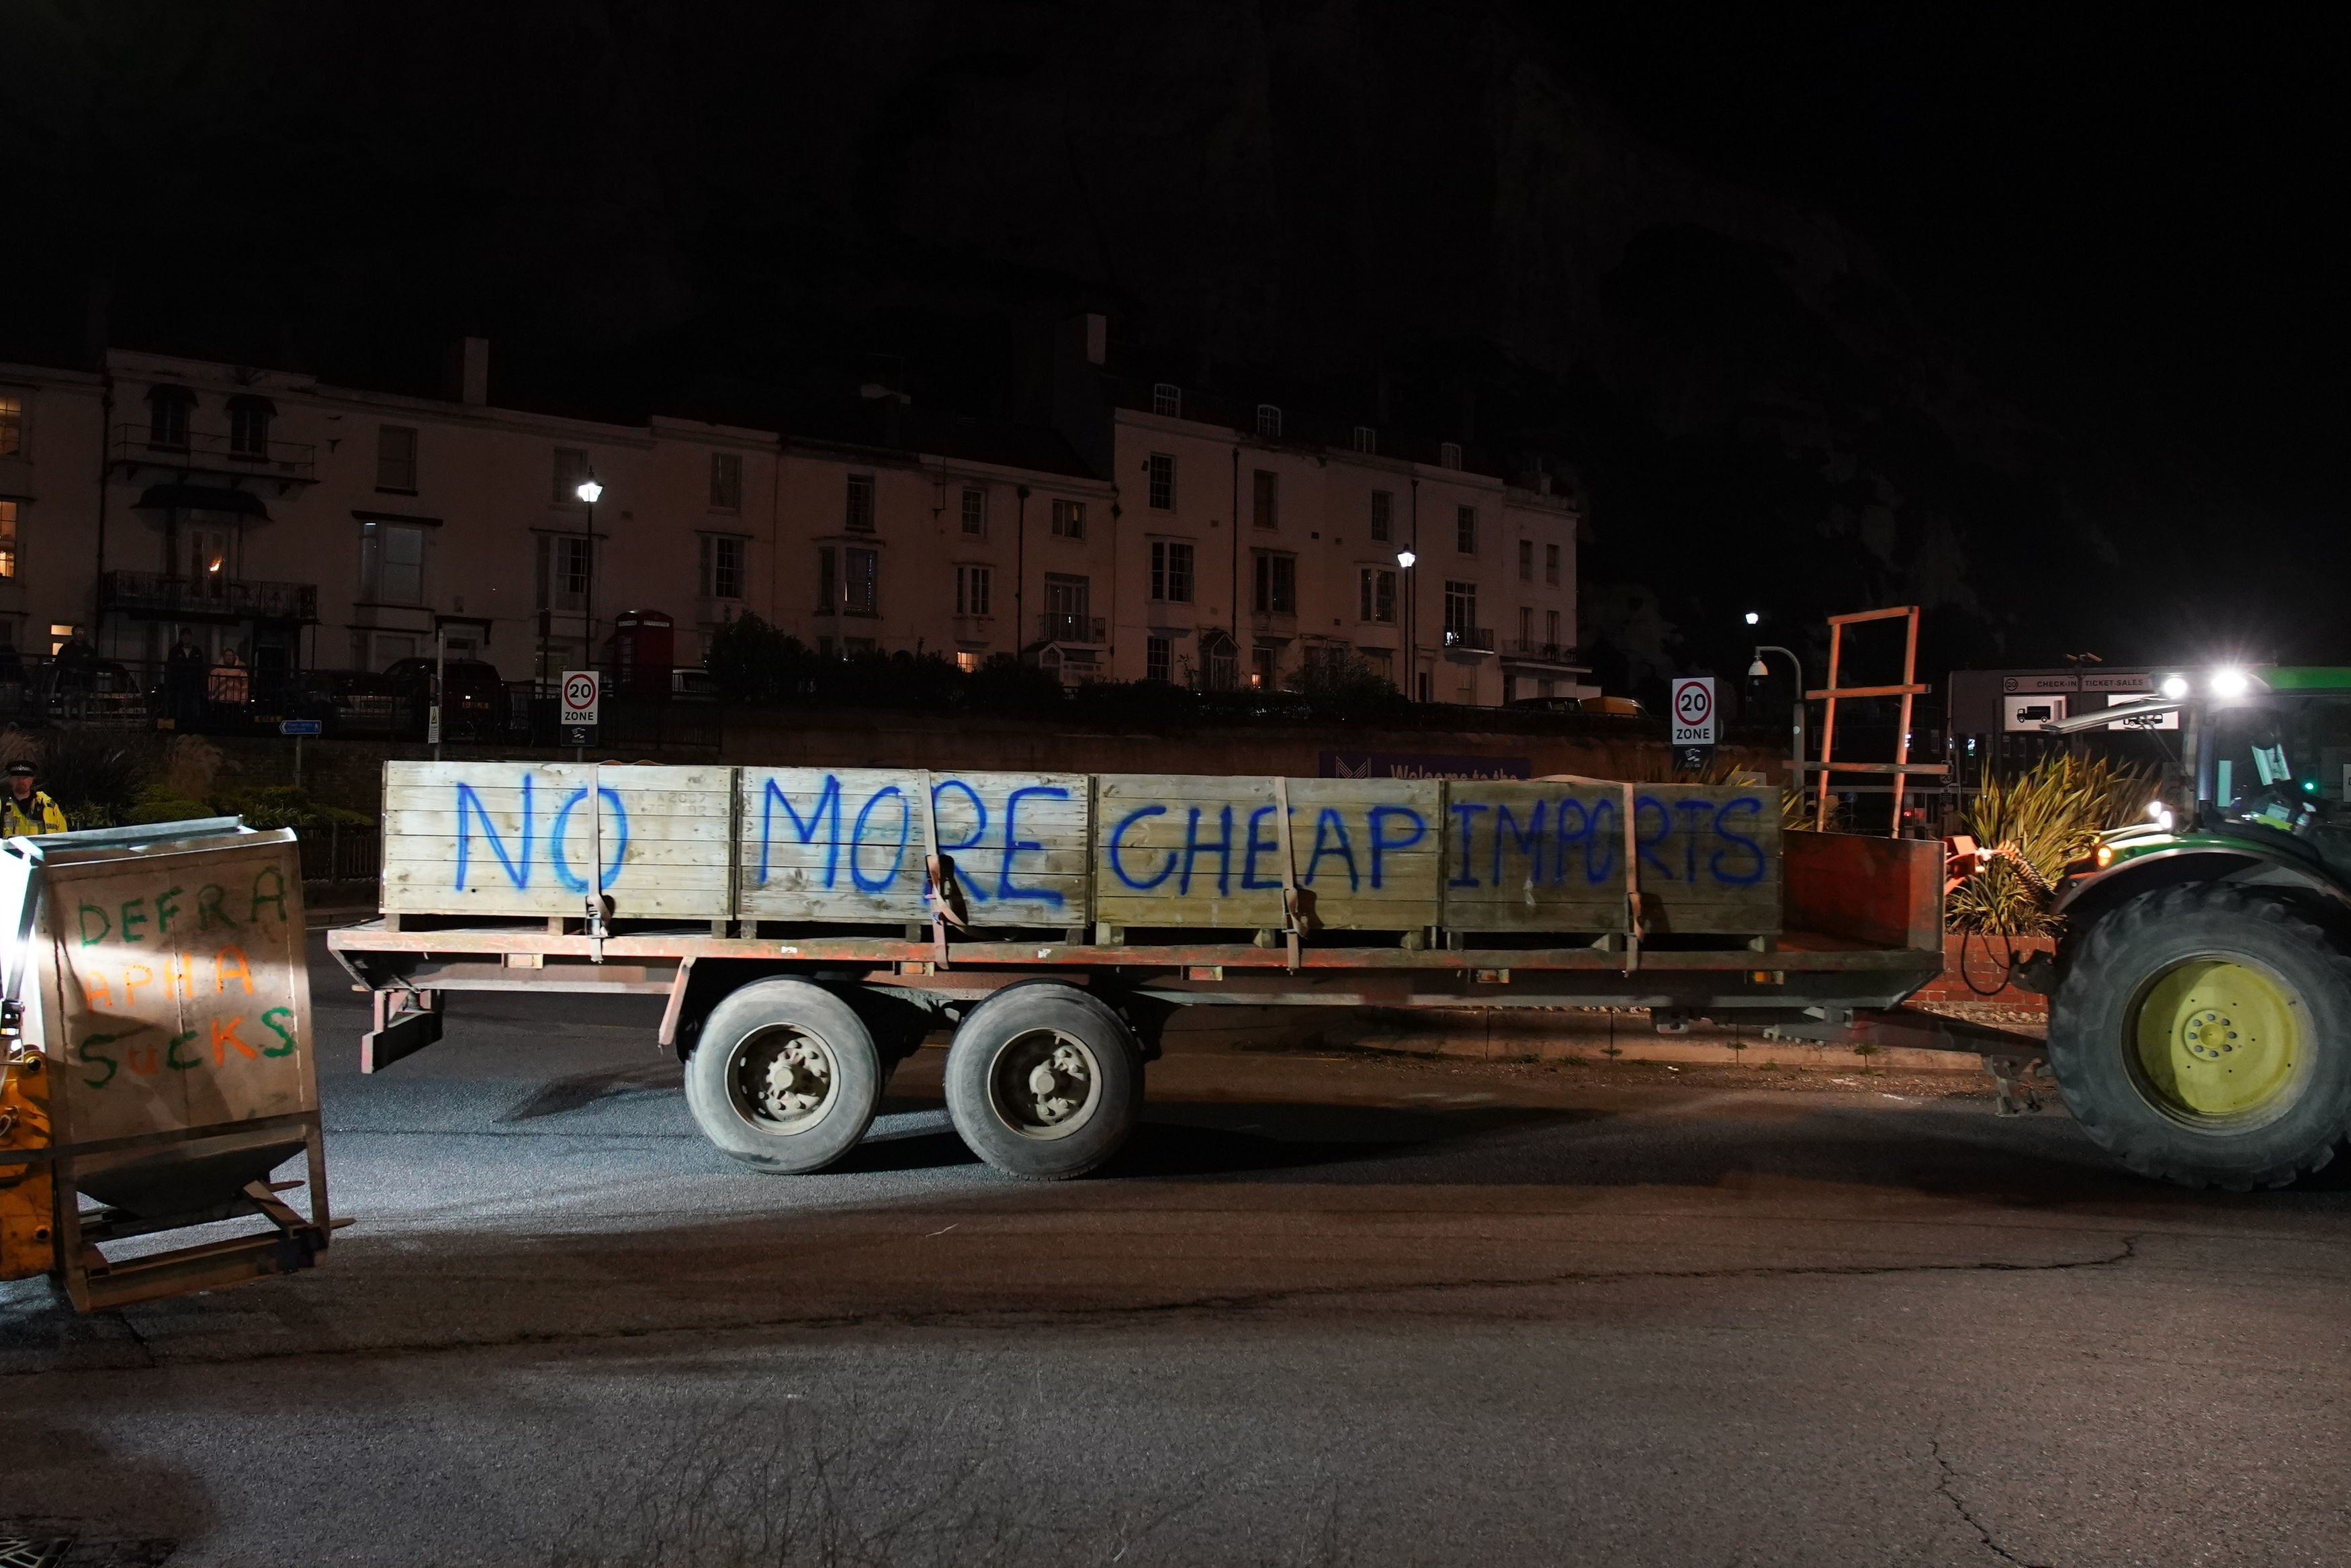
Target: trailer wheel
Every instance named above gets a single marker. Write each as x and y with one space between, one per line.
784 1077
2202 1034
1044 1081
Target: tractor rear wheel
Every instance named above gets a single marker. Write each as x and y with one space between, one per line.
784 1076
2202 1034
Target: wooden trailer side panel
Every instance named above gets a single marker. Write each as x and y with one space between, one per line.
1549 856
520 838
850 843
1205 850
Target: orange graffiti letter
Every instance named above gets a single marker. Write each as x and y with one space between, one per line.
223 973
146 977
224 1036
180 971
97 992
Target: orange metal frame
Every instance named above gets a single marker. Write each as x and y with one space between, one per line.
1902 766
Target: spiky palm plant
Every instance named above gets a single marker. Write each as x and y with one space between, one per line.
2051 816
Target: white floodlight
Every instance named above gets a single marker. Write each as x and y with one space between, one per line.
2230 683
588 490
1753 619
1405 558
2174 687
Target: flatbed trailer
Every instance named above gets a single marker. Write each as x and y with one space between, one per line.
790 1026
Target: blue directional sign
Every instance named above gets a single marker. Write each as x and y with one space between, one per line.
301 727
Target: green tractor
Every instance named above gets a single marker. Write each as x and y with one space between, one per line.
2200 1019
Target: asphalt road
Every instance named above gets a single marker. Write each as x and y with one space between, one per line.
1328 1310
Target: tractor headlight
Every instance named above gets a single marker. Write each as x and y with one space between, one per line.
2230 683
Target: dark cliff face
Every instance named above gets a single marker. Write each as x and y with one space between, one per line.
1422 215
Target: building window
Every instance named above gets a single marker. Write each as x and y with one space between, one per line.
570 473
828 581
1277 583
1378 594
1550 628
722 567
725 482
1461 615
395 459
7 541
1380 662
975 511
1265 664
969 661
249 426
860 581
1265 498
859 516
1158 658
1068 519
392 562
1068 603
1268 421
1551 565
1448 456
1526 560
167 416
1171 571
566 566
12 425
1526 628
1465 530
972 585
1367 441
1383 516
1168 399
1162 469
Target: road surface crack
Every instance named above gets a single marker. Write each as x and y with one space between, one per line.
1947 1486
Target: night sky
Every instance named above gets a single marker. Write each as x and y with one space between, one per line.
2036 320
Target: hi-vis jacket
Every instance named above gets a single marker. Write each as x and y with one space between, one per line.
37 815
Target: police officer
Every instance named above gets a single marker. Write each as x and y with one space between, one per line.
25 809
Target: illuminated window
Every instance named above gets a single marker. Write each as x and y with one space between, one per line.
1070 519
966 660
7 540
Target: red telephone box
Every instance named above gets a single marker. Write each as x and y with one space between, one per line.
643 645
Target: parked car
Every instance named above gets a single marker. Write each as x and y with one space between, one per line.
1613 707
473 698
692 683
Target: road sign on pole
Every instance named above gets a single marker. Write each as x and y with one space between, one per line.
580 696
1694 711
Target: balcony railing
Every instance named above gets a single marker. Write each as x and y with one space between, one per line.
1056 626
1547 652
294 462
228 597
1477 639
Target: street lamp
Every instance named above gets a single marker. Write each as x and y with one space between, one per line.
1753 619
1757 671
1405 558
589 492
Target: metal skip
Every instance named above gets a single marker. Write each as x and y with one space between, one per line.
158 1064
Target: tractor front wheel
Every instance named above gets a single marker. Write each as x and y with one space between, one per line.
2202 1034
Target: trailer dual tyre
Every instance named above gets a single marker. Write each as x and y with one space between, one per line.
2202 1034
785 1077
1044 1081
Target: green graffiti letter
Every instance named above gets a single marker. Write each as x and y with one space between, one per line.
269 1021
96 1058
105 926
172 1056
276 893
165 909
127 920
208 907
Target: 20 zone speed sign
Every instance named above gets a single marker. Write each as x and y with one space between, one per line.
582 691
1694 711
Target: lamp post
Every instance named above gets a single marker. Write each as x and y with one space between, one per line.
1757 671
1405 559
589 492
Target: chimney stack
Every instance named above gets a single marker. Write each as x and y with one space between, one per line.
469 372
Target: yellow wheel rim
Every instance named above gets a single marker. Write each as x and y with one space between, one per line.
2218 1038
